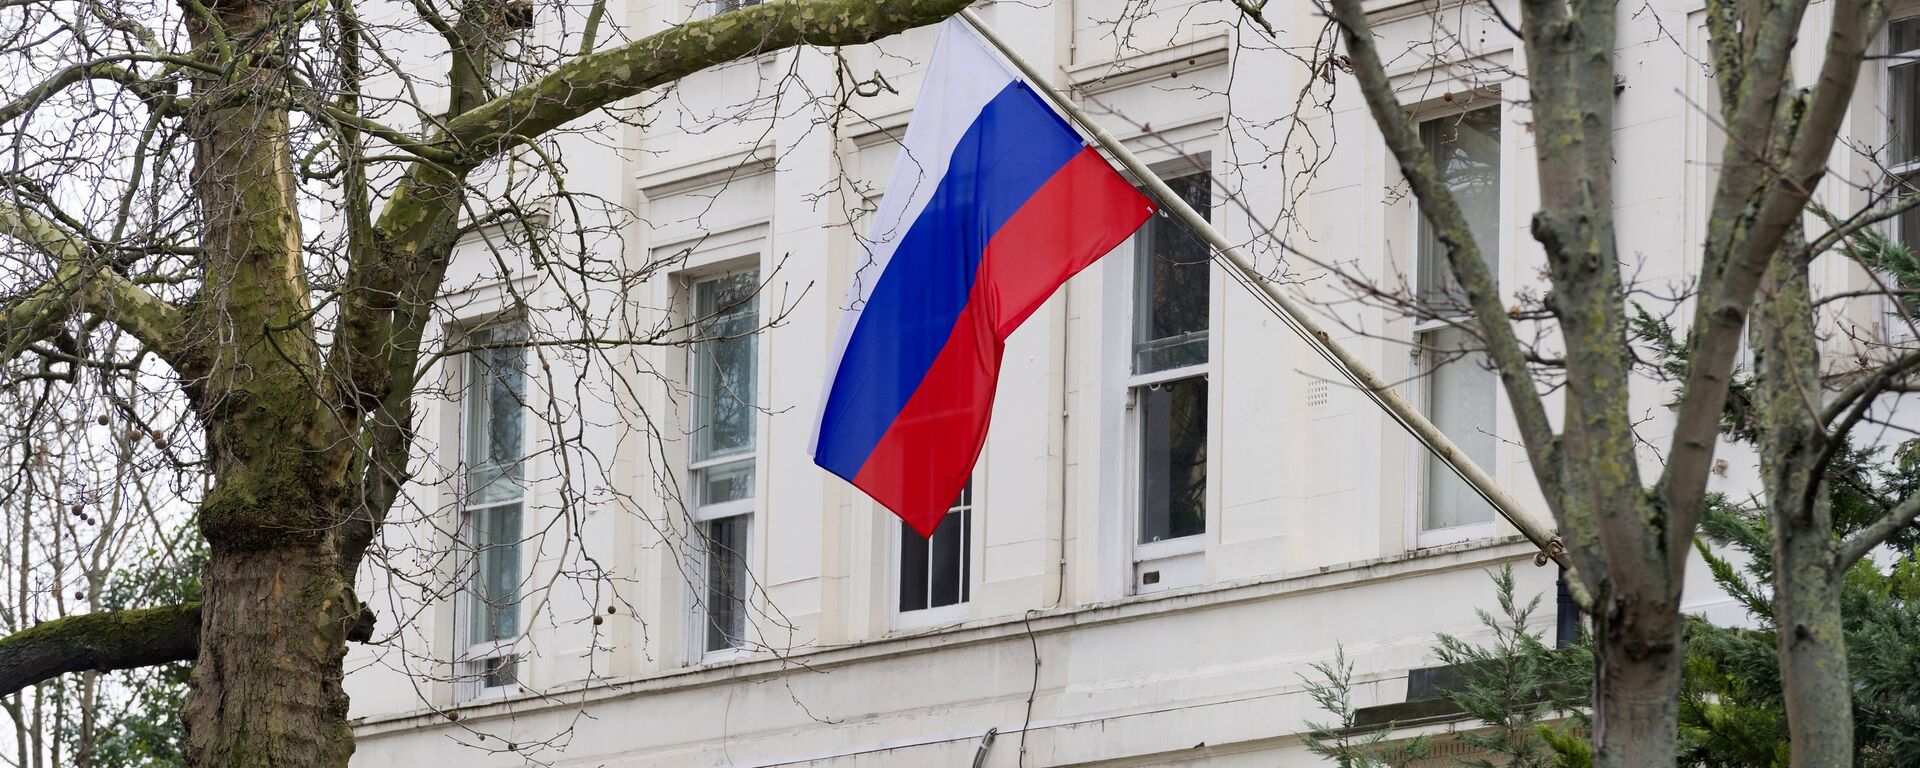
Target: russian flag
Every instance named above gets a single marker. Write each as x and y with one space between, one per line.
994 202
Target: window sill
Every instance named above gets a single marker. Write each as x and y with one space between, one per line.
490 695
722 657
1445 537
945 615
1165 548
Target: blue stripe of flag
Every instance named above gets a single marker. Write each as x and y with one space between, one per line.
1014 146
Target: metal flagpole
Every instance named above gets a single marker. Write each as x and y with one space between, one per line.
1296 316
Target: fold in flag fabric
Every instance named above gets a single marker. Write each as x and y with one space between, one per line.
994 202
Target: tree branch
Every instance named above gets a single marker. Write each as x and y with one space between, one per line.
411 238
1754 208
106 641
78 283
94 70
593 81
1864 540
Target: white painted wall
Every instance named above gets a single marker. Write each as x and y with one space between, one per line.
1308 538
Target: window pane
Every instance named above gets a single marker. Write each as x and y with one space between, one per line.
732 481
1466 150
1903 36
935 572
1173 452
948 555
1461 398
966 562
914 554
1908 222
1170 286
726 582
499 671
496 414
724 365
1902 310
1903 108
494 610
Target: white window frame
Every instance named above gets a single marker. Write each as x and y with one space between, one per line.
717 7
1180 562
1420 372
700 624
1895 331
1164 549
699 621
944 614
470 683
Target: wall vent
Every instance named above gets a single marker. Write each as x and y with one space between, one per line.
1317 393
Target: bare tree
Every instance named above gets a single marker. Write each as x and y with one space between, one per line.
1629 533
85 497
239 216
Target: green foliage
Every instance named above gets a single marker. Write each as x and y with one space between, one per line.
1668 360
1570 747
1518 685
1339 743
146 728
1892 260
1732 713
1882 619
1529 696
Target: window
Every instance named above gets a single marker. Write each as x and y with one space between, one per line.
723 6
1903 156
722 465
726 576
1459 391
935 572
1167 391
493 421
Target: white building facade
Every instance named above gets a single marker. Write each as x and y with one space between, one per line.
1179 509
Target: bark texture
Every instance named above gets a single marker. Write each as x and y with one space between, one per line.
1794 450
267 685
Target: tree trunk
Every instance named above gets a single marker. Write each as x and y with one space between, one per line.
1813 650
275 608
267 686
1793 449
1636 694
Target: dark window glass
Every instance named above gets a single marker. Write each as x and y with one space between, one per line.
1173 450
499 671
935 571
495 402
1466 150
726 582
724 363
494 405
1903 90
1170 286
495 612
